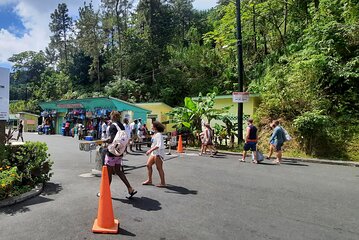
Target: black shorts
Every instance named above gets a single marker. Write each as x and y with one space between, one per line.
250 146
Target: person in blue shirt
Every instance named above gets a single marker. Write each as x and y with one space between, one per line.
277 139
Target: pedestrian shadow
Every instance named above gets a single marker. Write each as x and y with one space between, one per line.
180 190
24 206
142 203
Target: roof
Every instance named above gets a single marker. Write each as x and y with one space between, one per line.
35 115
12 117
153 103
91 104
230 96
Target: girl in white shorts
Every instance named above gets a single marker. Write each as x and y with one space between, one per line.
157 153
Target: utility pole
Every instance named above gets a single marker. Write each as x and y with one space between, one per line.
240 70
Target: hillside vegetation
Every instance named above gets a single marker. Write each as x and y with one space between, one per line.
301 56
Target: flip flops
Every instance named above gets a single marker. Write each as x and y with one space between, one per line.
147 183
132 194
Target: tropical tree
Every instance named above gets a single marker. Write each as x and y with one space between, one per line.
90 39
61 27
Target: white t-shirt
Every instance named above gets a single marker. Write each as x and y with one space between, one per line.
157 140
127 129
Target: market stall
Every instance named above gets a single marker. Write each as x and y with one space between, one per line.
64 115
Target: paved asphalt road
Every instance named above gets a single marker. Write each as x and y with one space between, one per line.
207 198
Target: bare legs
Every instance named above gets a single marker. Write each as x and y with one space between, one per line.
159 165
117 170
271 150
245 154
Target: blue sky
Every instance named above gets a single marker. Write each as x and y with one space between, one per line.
24 23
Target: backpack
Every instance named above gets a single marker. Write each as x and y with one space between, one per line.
118 146
286 136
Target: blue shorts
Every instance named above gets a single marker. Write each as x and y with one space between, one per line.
278 146
250 146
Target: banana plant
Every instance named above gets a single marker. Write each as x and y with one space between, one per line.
190 116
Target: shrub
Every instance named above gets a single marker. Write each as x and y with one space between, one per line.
31 161
312 129
9 177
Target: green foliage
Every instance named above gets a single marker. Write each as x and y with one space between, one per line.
24 106
312 129
61 28
9 178
126 90
194 111
31 160
300 56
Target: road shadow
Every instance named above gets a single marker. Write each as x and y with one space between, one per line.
218 156
180 190
51 189
142 203
289 163
126 233
130 168
24 206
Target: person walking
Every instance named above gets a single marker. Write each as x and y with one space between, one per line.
208 140
250 141
271 145
157 153
20 131
103 128
127 127
277 139
113 162
134 136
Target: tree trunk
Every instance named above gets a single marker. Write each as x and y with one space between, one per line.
285 17
65 38
118 24
254 28
316 5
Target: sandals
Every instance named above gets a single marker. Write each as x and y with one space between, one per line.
132 194
242 160
147 183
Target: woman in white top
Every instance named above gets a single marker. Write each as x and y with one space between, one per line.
157 153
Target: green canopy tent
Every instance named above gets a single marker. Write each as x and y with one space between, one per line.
93 104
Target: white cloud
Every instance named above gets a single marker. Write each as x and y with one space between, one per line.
35 16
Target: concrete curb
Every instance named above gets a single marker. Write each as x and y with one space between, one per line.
309 160
17 199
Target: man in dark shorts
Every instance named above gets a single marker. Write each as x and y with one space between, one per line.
20 131
250 141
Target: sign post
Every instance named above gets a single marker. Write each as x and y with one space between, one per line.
240 69
4 105
240 97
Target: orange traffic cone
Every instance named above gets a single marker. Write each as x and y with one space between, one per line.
179 146
105 221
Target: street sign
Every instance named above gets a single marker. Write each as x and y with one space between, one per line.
4 93
240 97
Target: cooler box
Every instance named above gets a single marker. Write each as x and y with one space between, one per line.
89 138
